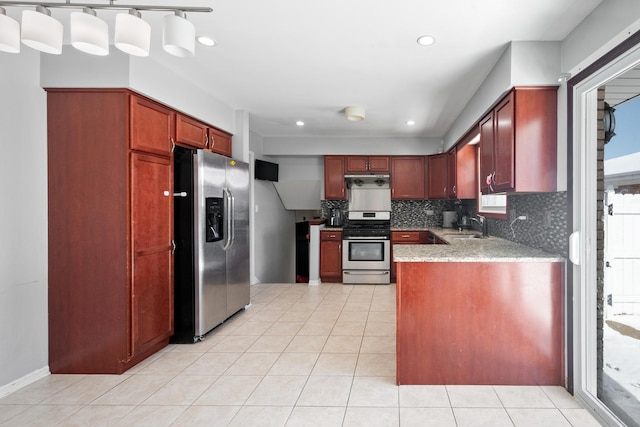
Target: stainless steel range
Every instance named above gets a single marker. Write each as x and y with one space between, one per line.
366 238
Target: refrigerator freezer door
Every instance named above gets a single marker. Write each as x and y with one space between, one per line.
209 259
238 287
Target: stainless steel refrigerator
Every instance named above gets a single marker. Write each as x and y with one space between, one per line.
211 221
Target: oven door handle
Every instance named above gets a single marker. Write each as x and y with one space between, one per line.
364 238
366 272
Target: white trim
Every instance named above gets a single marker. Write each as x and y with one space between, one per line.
605 48
24 381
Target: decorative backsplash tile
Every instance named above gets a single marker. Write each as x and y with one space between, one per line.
417 213
545 227
549 234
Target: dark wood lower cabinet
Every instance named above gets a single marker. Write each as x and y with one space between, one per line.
480 323
331 256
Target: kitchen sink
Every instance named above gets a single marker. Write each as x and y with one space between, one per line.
463 236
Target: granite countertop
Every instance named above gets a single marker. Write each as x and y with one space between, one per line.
488 249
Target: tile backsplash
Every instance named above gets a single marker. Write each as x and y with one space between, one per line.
545 227
546 224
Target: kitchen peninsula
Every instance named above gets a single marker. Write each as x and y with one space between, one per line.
479 311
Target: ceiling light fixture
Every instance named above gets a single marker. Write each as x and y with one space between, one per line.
300 123
90 34
564 77
179 35
206 41
425 40
9 33
354 114
410 122
40 31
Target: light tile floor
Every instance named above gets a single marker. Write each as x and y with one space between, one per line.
299 356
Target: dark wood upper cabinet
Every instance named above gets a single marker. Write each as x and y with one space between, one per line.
437 171
452 190
220 142
518 142
334 185
407 177
195 134
191 132
466 172
151 126
367 164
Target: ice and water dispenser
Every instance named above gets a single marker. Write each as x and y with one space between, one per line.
215 218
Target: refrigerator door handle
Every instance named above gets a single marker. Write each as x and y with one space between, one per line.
228 209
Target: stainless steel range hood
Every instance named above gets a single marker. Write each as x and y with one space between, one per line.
368 193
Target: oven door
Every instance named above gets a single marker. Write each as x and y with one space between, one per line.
366 261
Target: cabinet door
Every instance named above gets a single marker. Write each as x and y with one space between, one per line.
486 154
331 256
220 142
152 259
407 178
334 187
379 164
466 172
452 190
504 145
151 126
357 164
437 171
190 132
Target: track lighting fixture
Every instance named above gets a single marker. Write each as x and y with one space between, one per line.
90 34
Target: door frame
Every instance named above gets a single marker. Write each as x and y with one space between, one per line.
582 204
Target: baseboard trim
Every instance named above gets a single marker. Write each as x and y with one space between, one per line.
24 381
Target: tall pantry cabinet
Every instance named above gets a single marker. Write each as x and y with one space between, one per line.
110 229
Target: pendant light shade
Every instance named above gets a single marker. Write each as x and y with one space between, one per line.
178 35
89 33
42 32
9 33
132 34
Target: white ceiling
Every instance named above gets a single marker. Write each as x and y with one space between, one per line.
288 60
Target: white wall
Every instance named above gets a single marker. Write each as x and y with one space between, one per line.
23 220
319 146
274 228
77 69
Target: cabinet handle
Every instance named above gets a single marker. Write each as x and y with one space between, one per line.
173 247
165 193
332 236
444 190
206 140
454 190
173 144
212 142
405 236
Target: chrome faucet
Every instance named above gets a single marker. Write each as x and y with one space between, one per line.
483 224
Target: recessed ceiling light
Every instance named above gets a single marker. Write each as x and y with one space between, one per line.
300 123
425 40
410 122
206 40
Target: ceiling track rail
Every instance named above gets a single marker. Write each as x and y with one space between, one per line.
111 5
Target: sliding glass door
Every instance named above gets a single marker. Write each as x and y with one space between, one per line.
588 269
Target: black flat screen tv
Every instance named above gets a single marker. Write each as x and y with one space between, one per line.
266 171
